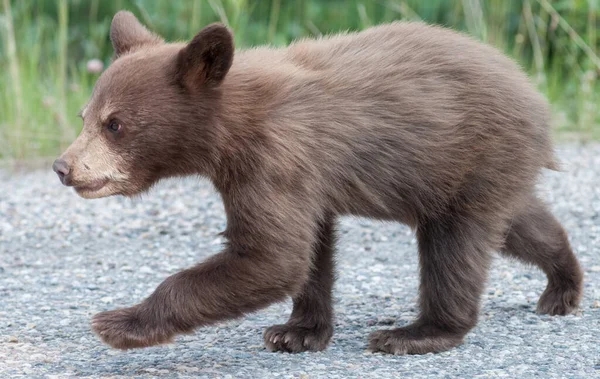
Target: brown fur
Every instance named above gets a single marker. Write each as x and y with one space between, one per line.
402 122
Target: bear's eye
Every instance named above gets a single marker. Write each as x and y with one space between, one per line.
114 126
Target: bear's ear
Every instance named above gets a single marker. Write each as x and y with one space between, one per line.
127 34
207 58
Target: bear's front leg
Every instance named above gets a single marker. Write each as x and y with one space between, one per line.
310 326
266 259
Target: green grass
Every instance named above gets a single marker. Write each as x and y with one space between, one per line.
45 46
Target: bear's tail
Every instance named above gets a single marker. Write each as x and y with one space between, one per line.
553 165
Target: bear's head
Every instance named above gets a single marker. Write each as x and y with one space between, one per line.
152 113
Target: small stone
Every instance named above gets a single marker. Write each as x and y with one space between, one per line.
187 368
596 304
106 299
38 357
13 339
386 321
595 269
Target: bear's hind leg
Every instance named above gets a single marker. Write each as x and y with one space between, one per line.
454 252
536 237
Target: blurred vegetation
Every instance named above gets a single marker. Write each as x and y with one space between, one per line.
45 47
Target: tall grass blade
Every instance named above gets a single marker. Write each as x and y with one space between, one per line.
17 126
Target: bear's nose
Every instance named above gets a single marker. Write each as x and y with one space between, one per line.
62 170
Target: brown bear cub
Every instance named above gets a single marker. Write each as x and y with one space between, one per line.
403 122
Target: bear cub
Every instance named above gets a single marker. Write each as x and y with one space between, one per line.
401 122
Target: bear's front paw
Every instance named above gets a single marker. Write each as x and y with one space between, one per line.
127 329
295 339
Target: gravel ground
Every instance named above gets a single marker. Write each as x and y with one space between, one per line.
63 258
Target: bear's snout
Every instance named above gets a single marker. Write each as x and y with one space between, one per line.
62 170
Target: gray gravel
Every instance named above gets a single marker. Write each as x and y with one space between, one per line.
63 258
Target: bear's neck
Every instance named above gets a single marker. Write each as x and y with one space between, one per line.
238 135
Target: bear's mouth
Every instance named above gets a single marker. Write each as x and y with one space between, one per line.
94 186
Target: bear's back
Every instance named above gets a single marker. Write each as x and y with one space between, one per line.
414 114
